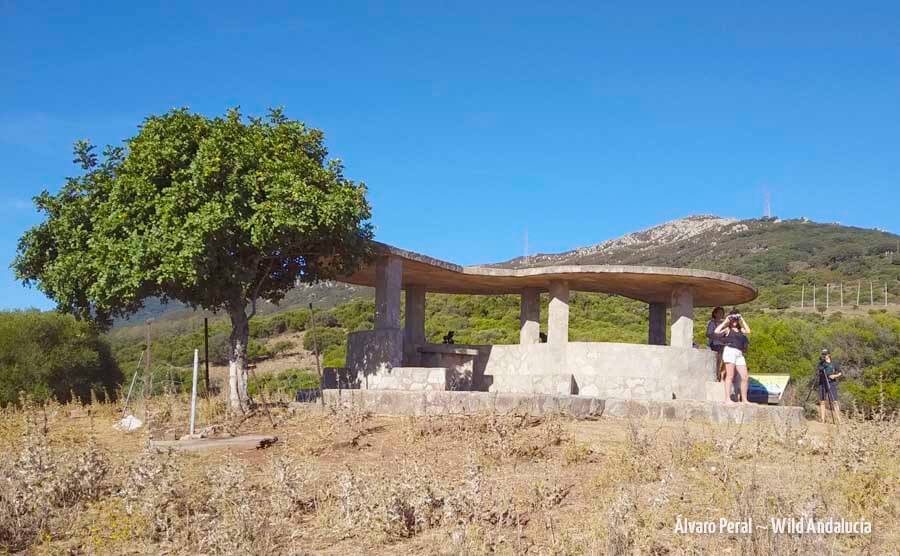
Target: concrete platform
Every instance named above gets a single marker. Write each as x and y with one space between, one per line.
244 442
404 402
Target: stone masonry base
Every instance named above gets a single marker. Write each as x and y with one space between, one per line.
405 402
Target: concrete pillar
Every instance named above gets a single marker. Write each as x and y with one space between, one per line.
414 323
558 315
656 333
530 316
388 279
682 317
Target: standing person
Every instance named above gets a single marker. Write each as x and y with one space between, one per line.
714 340
735 330
828 375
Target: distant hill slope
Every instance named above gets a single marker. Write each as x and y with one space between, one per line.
769 252
323 295
776 255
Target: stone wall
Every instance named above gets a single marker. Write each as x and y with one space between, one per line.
374 351
406 402
534 384
407 378
609 370
466 361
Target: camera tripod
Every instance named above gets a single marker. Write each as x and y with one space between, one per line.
820 374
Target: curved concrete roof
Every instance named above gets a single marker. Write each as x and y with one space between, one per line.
651 284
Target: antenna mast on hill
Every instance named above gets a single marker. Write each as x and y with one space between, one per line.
526 243
768 197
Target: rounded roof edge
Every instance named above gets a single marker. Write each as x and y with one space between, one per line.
645 283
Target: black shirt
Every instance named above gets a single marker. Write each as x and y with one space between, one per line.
735 339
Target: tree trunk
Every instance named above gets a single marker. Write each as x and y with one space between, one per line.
237 360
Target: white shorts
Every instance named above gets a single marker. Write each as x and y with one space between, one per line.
733 355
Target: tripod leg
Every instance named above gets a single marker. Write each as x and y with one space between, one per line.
808 394
830 403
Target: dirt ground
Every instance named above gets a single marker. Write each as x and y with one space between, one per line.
345 482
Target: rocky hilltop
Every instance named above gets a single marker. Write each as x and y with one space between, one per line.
768 251
658 236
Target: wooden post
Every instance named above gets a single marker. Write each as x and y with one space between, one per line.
147 374
842 295
827 295
206 352
871 295
885 294
858 289
802 294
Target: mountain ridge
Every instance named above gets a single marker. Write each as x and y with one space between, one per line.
767 251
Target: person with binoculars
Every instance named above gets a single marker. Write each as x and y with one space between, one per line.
732 333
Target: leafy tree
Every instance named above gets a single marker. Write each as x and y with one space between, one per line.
214 212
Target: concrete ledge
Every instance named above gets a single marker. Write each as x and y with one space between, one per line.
447 348
406 402
714 412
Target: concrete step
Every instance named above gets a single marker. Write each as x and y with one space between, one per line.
405 402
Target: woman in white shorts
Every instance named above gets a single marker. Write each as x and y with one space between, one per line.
734 330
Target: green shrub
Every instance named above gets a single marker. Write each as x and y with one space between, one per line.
281 347
335 356
51 355
326 338
288 381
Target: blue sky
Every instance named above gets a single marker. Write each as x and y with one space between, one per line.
472 122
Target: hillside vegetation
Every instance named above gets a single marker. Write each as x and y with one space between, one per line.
777 256
867 345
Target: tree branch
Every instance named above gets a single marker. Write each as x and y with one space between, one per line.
258 287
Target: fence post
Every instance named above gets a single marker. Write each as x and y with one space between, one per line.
194 390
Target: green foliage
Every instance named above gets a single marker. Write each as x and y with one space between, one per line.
325 337
867 347
280 347
287 381
52 355
215 213
211 212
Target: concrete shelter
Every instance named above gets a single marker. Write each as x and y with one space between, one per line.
395 357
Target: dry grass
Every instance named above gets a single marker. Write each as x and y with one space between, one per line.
346 482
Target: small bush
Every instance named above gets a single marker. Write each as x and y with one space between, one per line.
281 347
288 381
325 337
